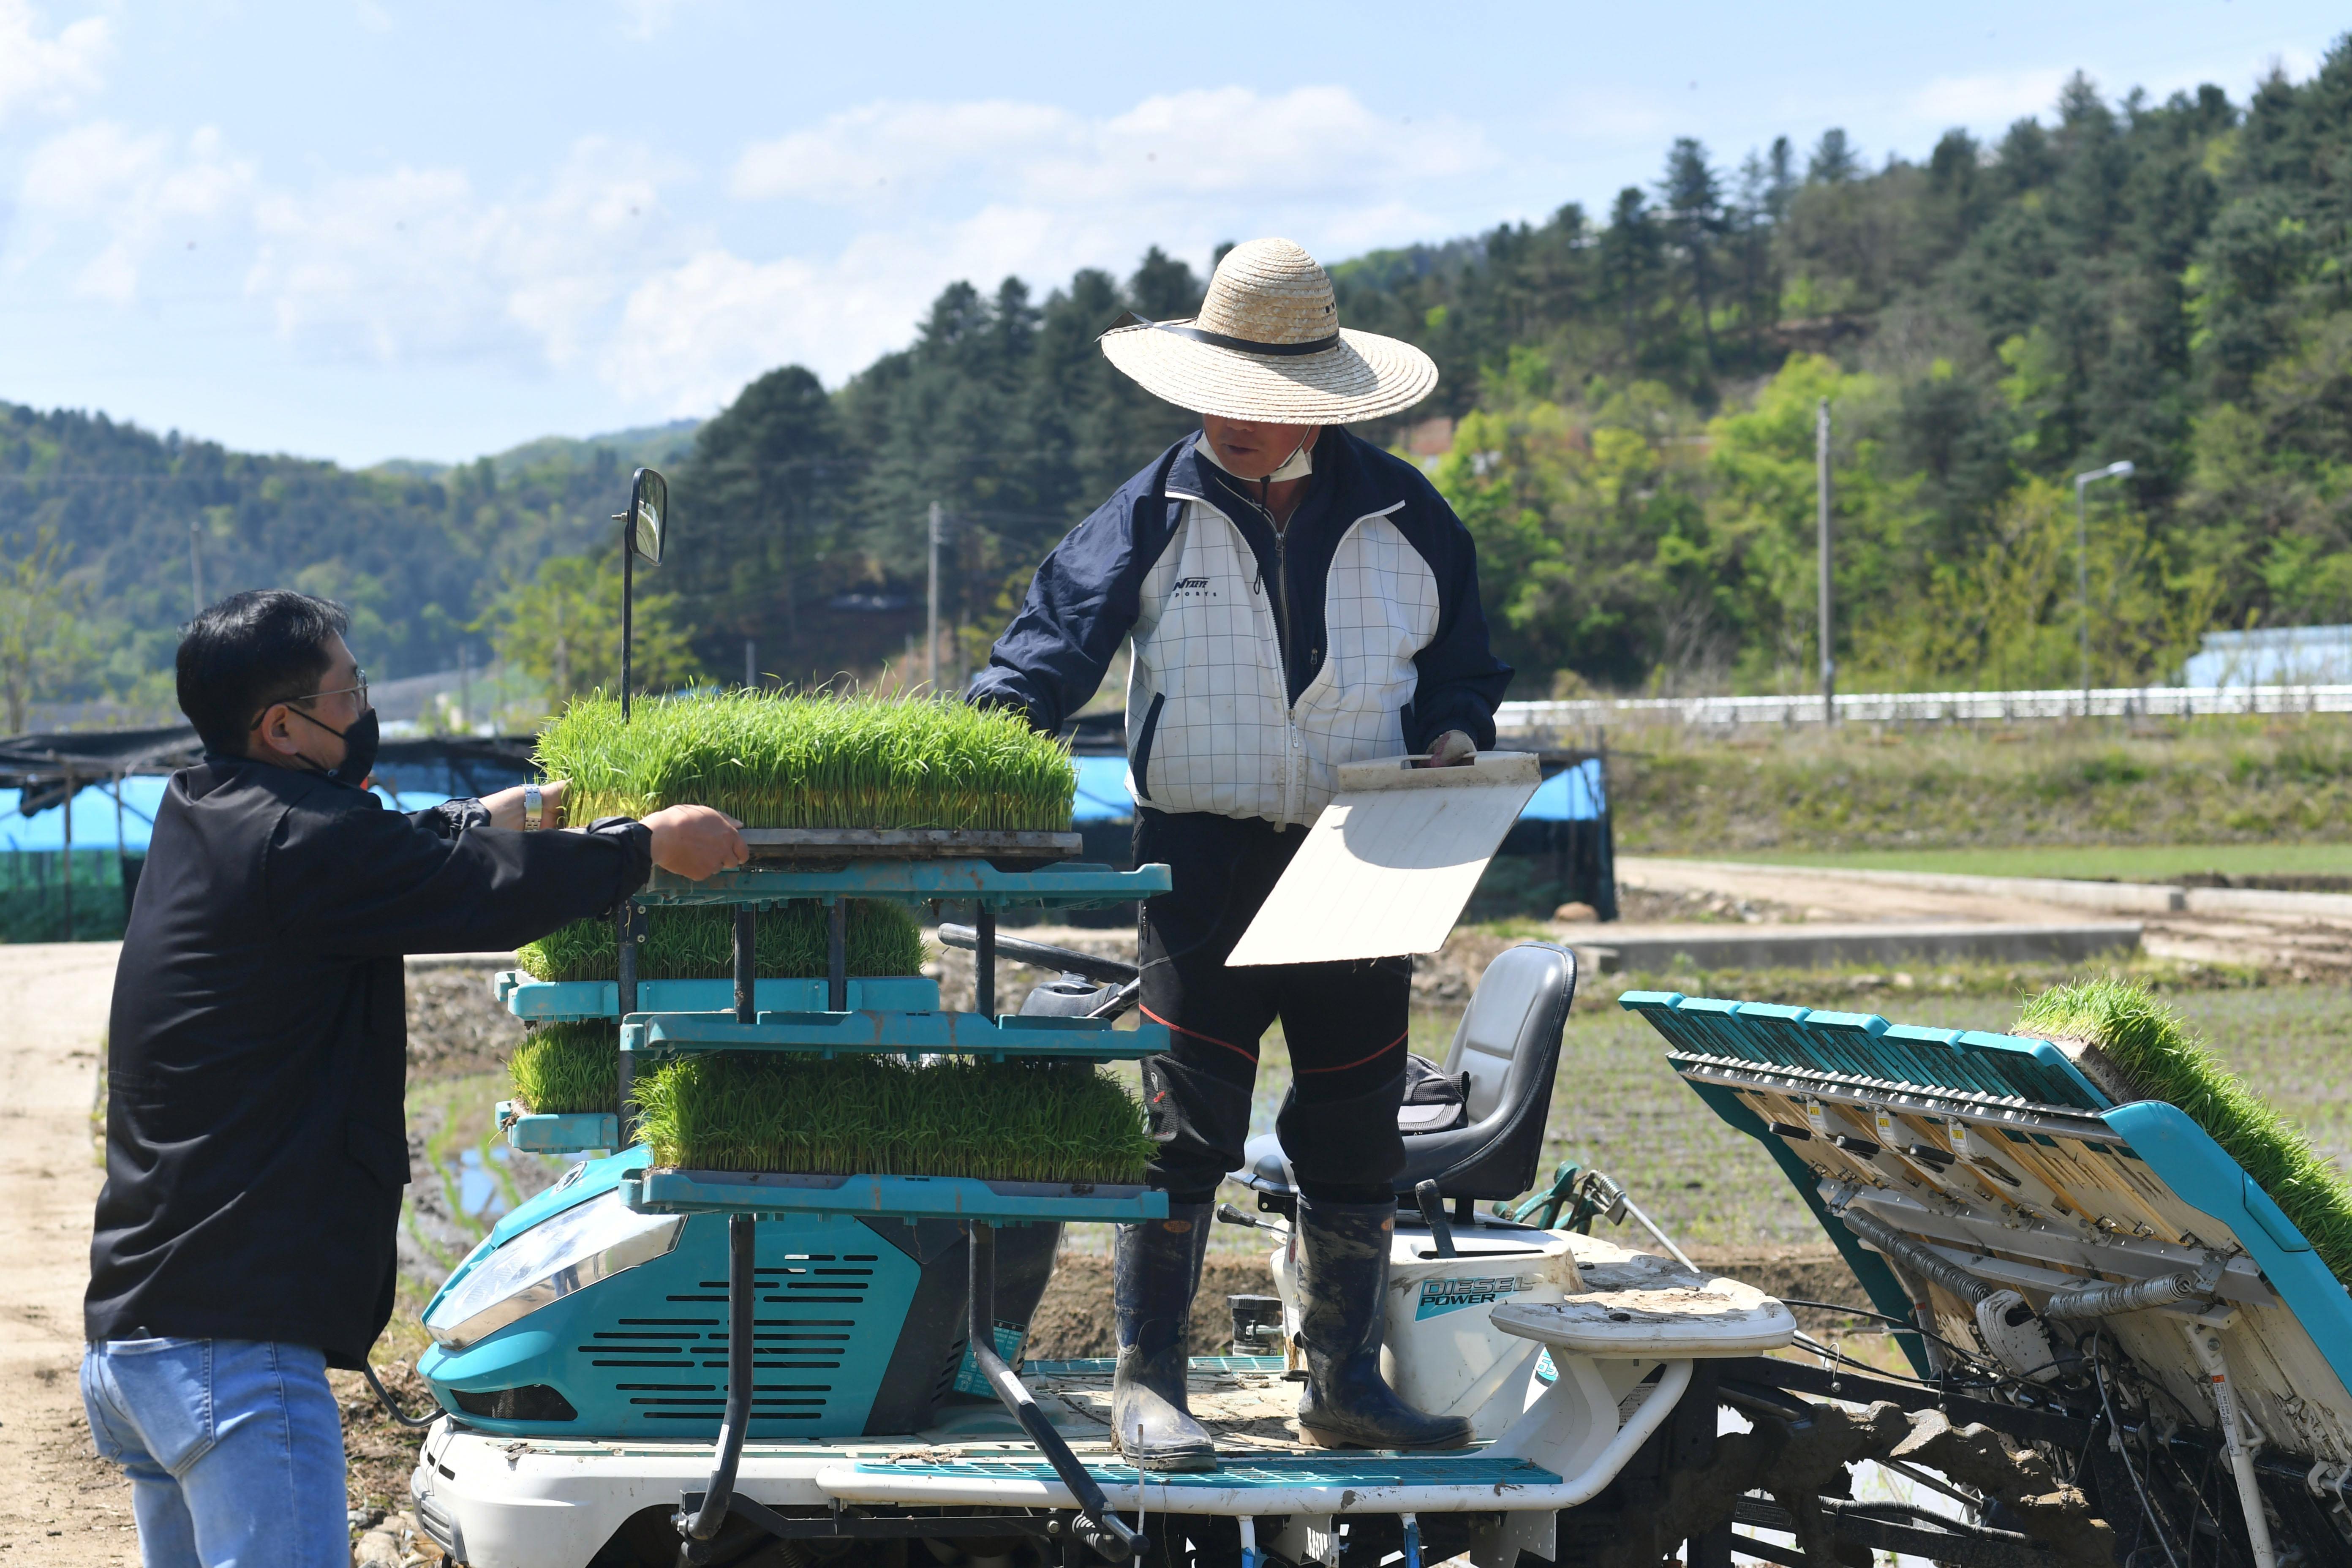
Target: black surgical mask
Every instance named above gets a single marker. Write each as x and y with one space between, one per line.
360 741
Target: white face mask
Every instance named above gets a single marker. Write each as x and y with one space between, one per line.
1298 466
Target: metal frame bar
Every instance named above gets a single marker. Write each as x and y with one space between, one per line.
836 959
1096 1525
666 1191
628 929
893 1034
855 1523
916 881
746 937
701 1526
984 961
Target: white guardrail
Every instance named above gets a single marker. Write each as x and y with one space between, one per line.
1926 707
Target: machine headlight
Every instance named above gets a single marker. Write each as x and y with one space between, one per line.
569 1251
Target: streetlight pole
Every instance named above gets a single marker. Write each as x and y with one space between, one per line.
931 614
2083 565
1822 500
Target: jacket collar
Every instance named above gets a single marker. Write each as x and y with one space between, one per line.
218 769
1340 479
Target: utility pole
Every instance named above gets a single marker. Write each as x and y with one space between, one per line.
196 572
931 615
1821 503
71 787
464 689
2082 565
751 665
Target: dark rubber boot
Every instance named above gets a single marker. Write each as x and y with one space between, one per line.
1154 1272
1343 1274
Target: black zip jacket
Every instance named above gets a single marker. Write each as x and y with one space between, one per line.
256 1146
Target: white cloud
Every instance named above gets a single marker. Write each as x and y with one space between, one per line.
1316 143
645 18
985 189
886 152
133 191
586 270
47 75
1992 100
416 262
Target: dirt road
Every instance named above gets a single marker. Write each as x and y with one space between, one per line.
65 1507
2284 942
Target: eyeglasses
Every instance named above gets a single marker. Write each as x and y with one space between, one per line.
360 686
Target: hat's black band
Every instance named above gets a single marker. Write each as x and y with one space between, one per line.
1244 345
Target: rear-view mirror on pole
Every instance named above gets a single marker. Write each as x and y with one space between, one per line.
645 527
649 515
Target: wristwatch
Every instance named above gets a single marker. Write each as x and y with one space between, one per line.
533 809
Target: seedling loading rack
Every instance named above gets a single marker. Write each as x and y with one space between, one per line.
991 871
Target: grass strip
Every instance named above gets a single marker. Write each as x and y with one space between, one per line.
775 760
697 943
2135 1047
564 1068
1015 1121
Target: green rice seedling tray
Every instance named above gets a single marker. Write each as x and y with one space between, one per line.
893 1033
1069 885
668 1191
576 1133
795 941
812 761
553 999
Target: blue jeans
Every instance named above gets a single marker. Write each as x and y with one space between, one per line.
235 1450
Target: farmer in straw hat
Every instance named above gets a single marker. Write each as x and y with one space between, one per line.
1298 598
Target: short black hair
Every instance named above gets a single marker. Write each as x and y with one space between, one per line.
250 650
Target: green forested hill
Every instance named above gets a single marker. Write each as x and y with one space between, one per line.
417 554
1633 388
1634 394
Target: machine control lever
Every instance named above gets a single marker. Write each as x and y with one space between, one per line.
1431 1204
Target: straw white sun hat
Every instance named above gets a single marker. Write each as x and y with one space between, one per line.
1268 345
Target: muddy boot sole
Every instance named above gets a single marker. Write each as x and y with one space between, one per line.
1183 1461
1322 1439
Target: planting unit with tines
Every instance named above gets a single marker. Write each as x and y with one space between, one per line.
817 1296
2096 1244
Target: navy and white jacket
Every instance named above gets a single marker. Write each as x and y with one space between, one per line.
1262 659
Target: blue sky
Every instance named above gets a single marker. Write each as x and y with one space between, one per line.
376 229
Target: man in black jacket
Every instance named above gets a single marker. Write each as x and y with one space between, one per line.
256 1143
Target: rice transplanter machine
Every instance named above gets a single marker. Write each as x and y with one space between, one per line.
645 1365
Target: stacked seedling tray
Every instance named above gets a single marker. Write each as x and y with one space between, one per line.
841 1094
566 989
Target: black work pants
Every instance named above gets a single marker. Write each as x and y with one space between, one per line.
1345 1023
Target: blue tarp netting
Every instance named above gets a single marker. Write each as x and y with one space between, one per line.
94 819
1573 794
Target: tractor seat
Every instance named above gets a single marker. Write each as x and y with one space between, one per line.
1509 1044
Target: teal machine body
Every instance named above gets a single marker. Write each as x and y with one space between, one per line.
612 1304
